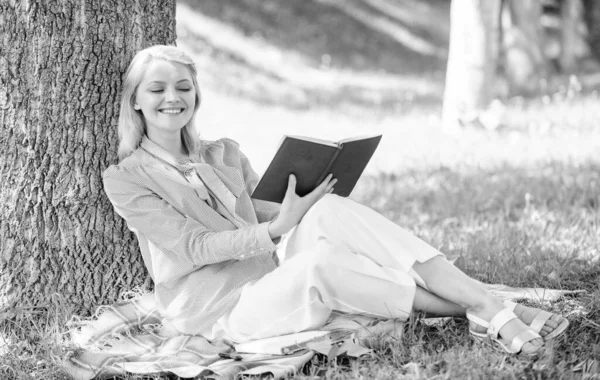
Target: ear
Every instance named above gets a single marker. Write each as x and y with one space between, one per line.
136 107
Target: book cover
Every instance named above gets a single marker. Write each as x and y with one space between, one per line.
311 160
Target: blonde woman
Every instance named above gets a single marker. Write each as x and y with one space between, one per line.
213 252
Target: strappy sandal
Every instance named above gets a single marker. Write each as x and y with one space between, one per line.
540 320
498 321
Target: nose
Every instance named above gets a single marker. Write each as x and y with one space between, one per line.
171 95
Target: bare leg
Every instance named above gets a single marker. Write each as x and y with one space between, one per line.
434 306
448 282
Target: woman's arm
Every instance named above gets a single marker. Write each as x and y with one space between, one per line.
175 232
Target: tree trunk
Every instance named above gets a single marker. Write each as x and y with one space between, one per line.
525 64
61 68
592 20
573 36
472 59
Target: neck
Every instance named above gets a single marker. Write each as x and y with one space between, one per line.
171 142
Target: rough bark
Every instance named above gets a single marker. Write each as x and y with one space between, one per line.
472 59
61 68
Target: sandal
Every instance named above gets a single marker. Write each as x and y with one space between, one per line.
498 321
540 321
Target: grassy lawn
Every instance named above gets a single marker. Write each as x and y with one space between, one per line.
518 205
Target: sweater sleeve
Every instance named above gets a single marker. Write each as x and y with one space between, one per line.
176 232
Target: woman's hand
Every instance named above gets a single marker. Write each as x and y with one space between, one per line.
294 207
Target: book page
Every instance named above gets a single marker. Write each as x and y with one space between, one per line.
360 137
313 139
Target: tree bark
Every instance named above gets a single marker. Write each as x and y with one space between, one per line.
472 59
61 68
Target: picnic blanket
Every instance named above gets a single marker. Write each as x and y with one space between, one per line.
129 337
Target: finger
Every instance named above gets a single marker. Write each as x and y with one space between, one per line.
329 191
323 185
291 189
330 185
317 193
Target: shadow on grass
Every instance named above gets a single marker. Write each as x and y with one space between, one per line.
329 27
537 226
302 54
522 226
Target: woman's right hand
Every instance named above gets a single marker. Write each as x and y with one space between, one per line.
294 206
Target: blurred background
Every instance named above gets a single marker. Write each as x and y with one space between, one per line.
499 82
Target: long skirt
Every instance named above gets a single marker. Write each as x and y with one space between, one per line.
342 256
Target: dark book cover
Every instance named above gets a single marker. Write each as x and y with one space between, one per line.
311 160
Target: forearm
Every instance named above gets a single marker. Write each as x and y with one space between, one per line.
212 247
277 229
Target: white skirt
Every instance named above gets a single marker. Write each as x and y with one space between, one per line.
342 256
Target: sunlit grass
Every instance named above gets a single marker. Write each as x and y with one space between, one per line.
517 205
518 216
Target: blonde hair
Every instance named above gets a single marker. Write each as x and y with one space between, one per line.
132 125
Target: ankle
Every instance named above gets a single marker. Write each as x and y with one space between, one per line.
486 308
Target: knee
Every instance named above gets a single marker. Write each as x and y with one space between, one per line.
319 256
329 201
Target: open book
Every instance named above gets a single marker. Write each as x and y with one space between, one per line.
311 160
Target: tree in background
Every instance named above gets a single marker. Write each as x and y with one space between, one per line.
523 61
472 59
575 49
61 68
510 47
592 21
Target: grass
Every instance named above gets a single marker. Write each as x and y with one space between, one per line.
518 217
518 205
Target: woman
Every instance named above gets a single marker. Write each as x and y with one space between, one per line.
210 248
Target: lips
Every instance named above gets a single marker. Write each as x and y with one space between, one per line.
171 111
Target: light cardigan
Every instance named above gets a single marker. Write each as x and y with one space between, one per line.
199 259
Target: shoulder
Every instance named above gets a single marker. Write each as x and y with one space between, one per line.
219 152
224 143
129 170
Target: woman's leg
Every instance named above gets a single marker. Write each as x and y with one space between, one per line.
450 283
368 233
303 291
434 306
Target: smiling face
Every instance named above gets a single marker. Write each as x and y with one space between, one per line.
166 97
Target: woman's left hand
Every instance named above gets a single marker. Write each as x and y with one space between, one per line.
294 206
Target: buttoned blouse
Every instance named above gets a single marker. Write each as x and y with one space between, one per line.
199 254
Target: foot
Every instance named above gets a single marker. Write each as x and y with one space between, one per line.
508 330
553 324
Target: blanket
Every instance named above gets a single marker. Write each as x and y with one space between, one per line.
129 338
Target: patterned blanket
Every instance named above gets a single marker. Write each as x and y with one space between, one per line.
129 338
